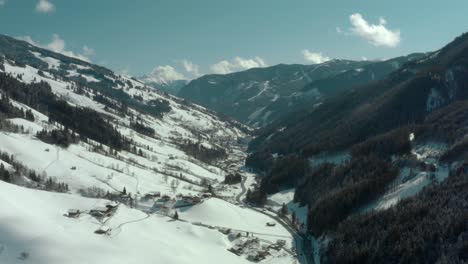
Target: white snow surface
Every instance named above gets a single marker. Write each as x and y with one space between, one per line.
32 221
231 216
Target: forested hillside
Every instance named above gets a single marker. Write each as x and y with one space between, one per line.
370 147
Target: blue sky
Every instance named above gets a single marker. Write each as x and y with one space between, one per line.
190 38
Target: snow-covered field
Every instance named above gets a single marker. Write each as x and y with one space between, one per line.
231 216
32 222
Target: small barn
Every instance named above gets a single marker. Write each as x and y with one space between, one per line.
73 213
103 230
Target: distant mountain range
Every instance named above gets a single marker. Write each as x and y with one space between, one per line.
170 86
260 96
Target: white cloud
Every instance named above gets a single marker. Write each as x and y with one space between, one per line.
377 35
165 74
44 6
57 44
2 3
28 39
191 68
125 71
237 64
222 67
382 21
87 51
314 57
338 30
188 70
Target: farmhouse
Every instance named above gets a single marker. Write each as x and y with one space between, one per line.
73 213
102 230
166 198
102 211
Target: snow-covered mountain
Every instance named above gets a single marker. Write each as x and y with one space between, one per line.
170 86
80 129
260 96
246 95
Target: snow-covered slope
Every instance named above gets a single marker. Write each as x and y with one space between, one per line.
32 222
169 152
162 156
261 95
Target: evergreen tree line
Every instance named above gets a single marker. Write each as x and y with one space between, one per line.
430 227
88 123
142 129
36 181
61 137
7 126
10 111
335 191
233 178
4 174
119 107
202 153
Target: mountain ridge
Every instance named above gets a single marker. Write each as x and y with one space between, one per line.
260 96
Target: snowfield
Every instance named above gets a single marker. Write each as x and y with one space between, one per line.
220 213
32 222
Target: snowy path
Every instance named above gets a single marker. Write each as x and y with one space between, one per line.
299 239
121 225
243 190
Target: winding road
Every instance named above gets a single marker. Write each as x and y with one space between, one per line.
243 190
299 239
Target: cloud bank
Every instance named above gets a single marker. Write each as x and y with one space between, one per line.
376 34
44 6
57 44
165 74
314 57
192 69
237 64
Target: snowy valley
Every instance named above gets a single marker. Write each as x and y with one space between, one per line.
156 192
339 161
